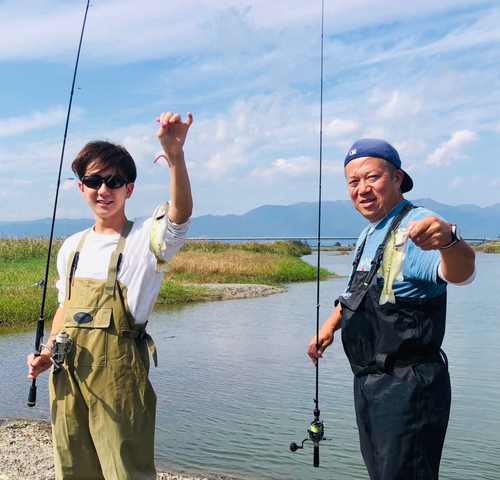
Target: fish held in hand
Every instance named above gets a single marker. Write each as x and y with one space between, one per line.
392 263
157 236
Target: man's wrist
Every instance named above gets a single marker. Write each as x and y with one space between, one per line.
456 236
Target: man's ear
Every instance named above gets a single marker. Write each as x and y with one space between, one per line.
82 189
130 189
399 176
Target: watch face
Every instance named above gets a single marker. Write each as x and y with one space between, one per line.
457 235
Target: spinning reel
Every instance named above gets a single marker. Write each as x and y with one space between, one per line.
316 433
61 346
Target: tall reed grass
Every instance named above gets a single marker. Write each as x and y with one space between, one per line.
23 264
490 247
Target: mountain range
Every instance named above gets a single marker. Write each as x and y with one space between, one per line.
339 219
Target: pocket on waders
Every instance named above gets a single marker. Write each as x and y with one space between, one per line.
89 330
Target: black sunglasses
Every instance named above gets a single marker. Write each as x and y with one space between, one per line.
112 181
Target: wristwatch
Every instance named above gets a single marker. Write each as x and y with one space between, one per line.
456 236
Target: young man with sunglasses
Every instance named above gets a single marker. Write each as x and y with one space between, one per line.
102 402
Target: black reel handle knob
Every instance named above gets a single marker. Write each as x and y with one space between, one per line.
294 447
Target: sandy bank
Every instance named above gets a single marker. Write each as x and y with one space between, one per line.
233 291
26 453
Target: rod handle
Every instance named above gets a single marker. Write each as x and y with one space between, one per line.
32 395
316 455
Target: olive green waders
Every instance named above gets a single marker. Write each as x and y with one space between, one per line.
102 403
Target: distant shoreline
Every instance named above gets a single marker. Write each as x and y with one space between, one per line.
201 271
26 453
487 247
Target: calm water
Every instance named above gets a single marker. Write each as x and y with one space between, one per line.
235 385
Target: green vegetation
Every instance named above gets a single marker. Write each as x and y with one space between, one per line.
23 264
488 247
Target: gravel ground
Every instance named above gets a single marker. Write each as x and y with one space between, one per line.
232 291
26 453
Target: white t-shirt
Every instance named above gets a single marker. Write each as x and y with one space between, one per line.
138 266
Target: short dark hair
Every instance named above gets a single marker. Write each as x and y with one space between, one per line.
105 155
390 166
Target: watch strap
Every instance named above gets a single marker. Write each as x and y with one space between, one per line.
454 238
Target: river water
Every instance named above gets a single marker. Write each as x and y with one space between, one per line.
235 385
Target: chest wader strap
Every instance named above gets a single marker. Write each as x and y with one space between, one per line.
114 268
355 264
116 258
143 335
386 363
377 260
73 263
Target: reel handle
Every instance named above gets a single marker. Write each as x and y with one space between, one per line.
316 455
32 395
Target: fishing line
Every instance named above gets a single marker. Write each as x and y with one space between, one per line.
316 429
41 321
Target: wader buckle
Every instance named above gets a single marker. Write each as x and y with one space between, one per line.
143 335
137 334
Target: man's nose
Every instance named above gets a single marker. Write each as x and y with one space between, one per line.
363 186
103 188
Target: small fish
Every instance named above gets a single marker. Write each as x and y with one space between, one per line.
157 236
392 263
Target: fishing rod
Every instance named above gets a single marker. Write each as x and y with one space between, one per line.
316 430
60 348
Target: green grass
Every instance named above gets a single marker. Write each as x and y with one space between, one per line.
23 263
490 247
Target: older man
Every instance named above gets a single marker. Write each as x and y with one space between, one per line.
401 385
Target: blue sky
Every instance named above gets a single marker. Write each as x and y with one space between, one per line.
423 75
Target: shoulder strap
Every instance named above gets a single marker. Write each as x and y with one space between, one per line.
73 263
355 264
116 258
375 265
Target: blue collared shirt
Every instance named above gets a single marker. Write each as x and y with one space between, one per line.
420 268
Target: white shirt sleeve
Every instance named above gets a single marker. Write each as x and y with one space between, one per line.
466 282
175 236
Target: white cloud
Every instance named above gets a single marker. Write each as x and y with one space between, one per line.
298 167
410 152
495 183
151 187
293 167
157 29
251 132
339 128
69 185
457 182
450 151
34 121
23 183
396 104
11 193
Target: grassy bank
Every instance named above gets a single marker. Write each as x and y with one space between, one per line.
488 247
23 263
